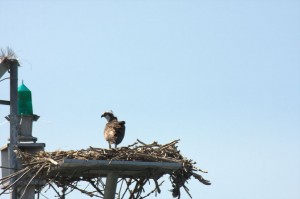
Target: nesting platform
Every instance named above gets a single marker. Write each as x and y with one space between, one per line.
131 167
112 171
124 169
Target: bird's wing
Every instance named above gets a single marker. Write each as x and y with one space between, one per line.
116 125
114 131
120 132
109 133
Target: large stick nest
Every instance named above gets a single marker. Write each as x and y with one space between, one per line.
37 167
7 54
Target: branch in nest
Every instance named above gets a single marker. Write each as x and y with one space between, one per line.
7 54
96 187
33 177
201 179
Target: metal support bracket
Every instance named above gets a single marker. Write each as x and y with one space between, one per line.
111 186
4 102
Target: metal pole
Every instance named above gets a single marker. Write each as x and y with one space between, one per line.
13 120
111 186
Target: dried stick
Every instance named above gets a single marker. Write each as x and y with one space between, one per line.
83 191
12 175
155 189
95 187
55 190
15 182
31 180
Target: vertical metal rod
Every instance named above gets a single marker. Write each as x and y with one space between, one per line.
13 121
111 186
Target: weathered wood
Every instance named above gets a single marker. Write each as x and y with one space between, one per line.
135 165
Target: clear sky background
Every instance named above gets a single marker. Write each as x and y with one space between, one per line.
221 76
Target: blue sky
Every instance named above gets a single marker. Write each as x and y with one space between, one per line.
222 76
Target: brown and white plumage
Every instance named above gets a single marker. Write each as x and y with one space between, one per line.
114 130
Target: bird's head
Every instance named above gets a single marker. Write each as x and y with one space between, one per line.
108 115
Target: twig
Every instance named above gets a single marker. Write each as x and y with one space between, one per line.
95 187
83 191
154 190
32 179
15 182
141 142
55 190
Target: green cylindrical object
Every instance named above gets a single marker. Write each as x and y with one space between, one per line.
24 101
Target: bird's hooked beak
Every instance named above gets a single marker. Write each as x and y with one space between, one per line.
106 116
103 114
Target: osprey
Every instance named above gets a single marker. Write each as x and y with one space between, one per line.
114 130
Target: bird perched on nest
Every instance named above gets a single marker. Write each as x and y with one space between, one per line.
114 130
